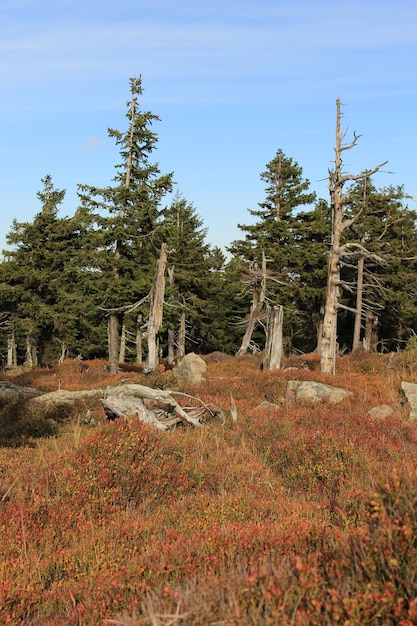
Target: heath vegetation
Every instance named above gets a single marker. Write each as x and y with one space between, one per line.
286 514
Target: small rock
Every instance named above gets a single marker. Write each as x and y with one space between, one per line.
313 391
381 411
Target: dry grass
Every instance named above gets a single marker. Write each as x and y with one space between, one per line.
289 515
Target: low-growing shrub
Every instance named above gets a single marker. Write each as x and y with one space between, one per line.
21 422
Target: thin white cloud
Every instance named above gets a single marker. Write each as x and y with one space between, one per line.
213 51
89 144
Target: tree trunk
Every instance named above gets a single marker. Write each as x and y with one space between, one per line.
31 355
139 337
329 331
339 224
371 323
156 309
114 325
181 336
64 350
273 348
122 349
171 346
11 352
256 309
359 305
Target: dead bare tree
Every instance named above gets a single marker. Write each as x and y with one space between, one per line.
156 309
338 200
257 281
273 347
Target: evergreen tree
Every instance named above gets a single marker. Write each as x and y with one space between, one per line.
190 291
124 218
388 288
309 276
39 279
277 232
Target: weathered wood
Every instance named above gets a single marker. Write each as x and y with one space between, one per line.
113 329
257 307
171 346
121 399
62 396
181 334
340 222
8 390
273 348
11 352
156 309
157 407
359 305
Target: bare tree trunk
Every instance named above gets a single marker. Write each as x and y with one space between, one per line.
171 346
320 330
156 309
114 325
339 224
64 349
181 335
11 352
359 305
122 350
329 331
256 309
139 337
273 348
371 324
31 355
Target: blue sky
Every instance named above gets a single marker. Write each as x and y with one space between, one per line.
233 81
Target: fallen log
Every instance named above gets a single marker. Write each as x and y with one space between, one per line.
157 407
153 406
10 390
62 396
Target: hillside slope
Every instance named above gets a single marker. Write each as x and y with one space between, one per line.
291 514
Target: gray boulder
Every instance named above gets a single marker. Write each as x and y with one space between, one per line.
190 369
410 392
313 391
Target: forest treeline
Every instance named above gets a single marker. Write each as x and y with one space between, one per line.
88 284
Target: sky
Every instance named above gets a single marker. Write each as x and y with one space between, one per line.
233 81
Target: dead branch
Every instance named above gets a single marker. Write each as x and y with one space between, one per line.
155 406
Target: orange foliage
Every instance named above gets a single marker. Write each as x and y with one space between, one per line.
291 514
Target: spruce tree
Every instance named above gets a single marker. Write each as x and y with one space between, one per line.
189 290
39 279
124 218
383 291
276 233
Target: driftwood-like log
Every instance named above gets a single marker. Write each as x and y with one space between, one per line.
62 396
9 390
157 407
153 406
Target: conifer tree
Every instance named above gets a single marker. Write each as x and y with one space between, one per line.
387 228
124 218
190 280
275 233
38 279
